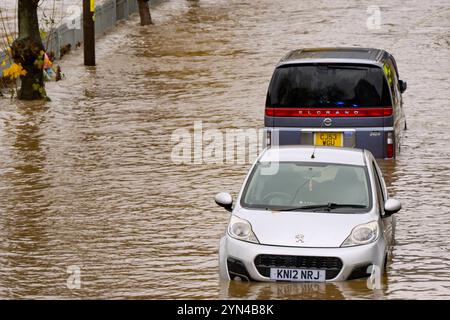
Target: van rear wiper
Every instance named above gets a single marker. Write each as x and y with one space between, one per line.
334 66
329 206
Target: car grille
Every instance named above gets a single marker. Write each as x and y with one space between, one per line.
331 265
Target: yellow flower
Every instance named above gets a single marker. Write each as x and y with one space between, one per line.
14 71
3 63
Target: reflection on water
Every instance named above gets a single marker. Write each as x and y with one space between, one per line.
299 291
87 181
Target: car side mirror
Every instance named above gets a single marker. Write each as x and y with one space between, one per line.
403 85
224 200
392 206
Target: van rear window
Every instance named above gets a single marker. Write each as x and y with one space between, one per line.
328 86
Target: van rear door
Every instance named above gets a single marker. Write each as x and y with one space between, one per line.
350 95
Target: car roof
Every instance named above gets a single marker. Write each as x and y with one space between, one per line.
350 156
338 54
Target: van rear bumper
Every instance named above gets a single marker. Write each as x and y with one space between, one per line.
370 138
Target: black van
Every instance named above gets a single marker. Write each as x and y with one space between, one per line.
342 97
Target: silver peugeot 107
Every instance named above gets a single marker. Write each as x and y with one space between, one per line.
308 214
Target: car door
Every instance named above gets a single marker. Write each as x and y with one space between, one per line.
381 190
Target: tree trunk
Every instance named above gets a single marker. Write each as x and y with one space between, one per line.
144 12
27 50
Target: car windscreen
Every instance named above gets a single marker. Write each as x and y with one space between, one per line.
328 86
298 186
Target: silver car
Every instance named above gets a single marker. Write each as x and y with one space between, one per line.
308 214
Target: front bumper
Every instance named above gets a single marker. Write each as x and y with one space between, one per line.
354 259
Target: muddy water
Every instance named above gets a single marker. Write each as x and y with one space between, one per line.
87 182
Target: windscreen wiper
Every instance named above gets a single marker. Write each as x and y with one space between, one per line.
329 206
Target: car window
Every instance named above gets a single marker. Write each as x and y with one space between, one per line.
328 85
397 91
382 182
379 186
391 75
301 184
394 63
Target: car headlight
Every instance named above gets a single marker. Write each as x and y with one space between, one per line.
362 234
241 229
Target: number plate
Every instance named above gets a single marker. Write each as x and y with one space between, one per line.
329 139
302 275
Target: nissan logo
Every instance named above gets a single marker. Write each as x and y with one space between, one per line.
327 122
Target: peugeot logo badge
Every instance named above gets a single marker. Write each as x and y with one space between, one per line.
327 122
299 238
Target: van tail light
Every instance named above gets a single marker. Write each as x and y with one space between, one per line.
390 145
329 112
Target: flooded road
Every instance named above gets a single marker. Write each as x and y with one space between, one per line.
87 182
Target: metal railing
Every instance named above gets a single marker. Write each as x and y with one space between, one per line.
70 33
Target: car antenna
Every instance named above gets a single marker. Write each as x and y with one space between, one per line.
314 150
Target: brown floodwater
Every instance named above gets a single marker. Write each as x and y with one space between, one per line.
87 180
